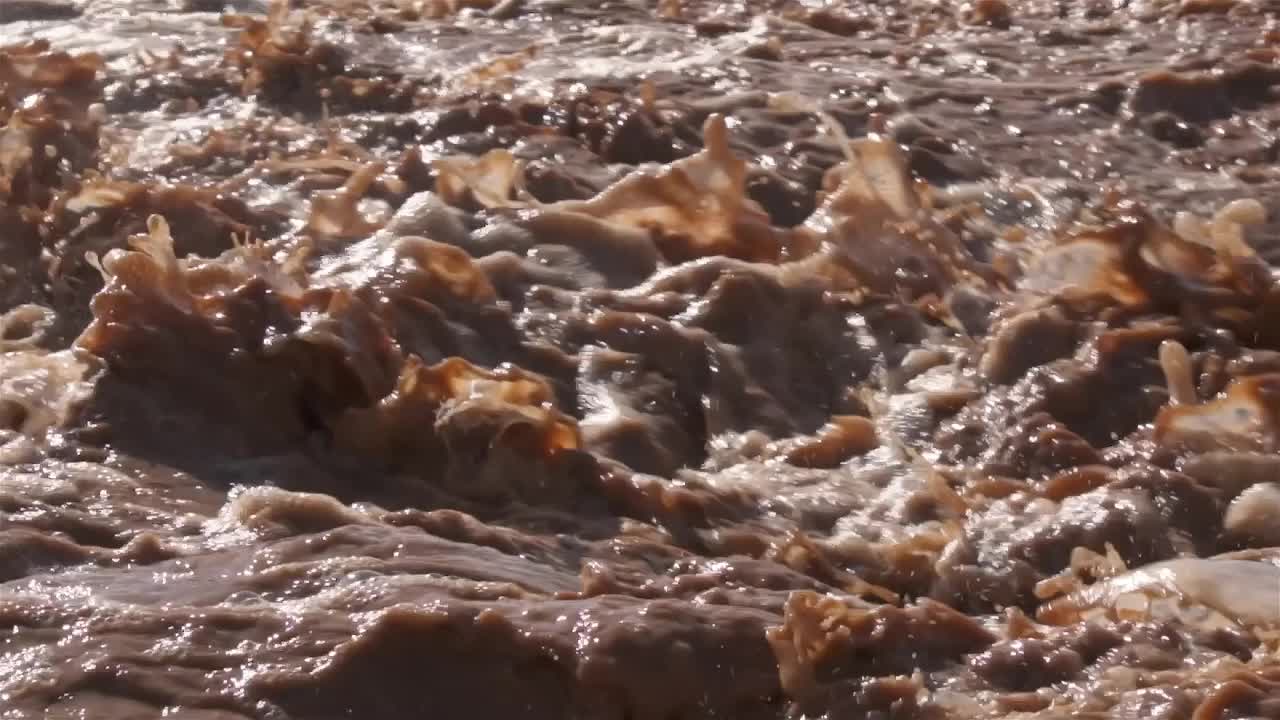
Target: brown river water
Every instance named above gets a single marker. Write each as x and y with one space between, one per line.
391 359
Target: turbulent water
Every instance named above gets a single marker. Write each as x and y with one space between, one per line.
639 360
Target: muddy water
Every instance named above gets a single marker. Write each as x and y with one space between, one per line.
638 360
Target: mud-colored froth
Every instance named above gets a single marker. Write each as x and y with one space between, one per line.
640 361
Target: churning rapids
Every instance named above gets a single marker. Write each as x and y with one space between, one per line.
404 359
